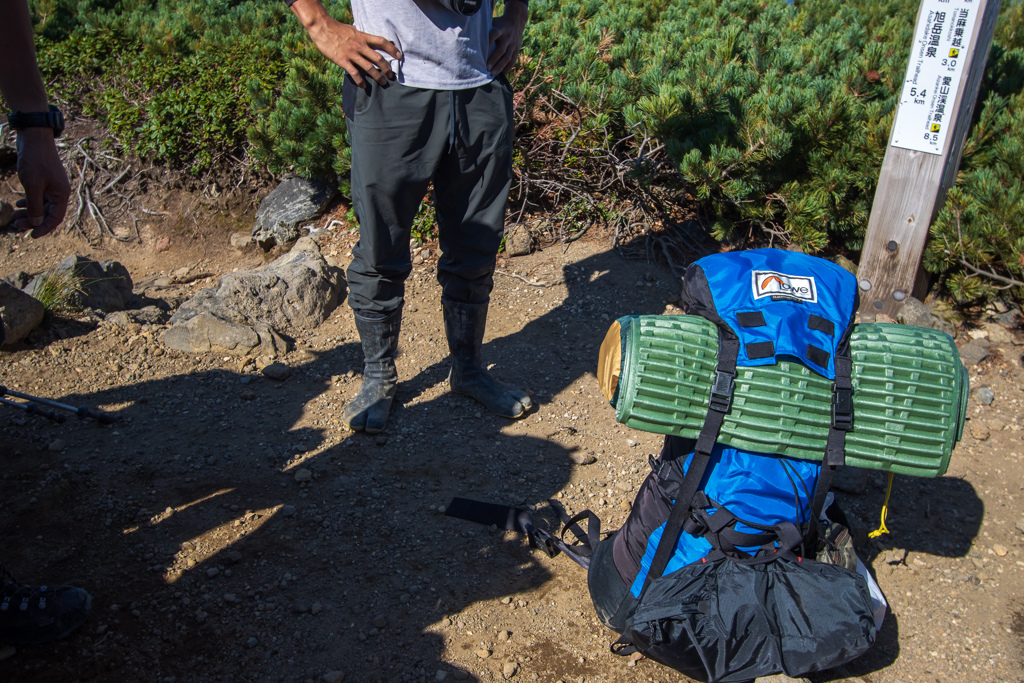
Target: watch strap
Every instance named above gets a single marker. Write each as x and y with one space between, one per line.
53 119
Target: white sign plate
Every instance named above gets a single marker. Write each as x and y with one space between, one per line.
937 59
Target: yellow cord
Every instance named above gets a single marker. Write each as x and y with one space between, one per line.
882 529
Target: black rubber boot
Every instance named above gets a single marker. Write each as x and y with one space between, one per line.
368 411
464 325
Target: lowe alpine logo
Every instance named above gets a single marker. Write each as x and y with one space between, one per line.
782 286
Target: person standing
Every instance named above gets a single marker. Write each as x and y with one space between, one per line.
425 101
33 615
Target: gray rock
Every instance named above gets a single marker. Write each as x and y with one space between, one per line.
913 312
973 352
1020 526
277 371
106 286
246 309
985 395
1010 318
6 214
205 333
150 315
19 279
518 240
20 312
292 202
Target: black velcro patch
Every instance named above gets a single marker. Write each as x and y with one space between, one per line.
750 319
817 356
760 350
819 324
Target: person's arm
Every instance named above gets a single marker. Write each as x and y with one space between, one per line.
352 50
507 36
39 166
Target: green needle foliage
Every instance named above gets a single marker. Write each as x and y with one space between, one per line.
773 117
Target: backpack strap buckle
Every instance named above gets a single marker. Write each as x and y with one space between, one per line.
842 408
722 390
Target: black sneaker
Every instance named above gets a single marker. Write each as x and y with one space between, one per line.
33 615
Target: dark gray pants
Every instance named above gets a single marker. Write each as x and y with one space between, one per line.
402 139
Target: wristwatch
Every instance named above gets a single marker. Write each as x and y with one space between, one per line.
38 119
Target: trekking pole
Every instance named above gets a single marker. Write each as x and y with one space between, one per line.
33 407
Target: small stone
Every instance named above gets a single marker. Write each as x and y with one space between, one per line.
212 572
277 371
235 557
504 635
301 606
460 675
979 430
57 445
316 608
252 642
506 600
248 395
333 677
404 598
582 458
440 675
230 597
483 653
240 240
509 670
380 621
288 510
1020 525
1000 550
303 475
985 395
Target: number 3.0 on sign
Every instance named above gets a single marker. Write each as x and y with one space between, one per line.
937 58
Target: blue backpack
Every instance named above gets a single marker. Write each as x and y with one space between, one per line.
714 572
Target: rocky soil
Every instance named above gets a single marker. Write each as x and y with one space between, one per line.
230 528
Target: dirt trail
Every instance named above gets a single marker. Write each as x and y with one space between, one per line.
230 529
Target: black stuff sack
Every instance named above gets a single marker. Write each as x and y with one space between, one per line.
724 621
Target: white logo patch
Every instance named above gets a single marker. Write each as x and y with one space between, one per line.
782 286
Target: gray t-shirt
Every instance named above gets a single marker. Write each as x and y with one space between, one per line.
441 49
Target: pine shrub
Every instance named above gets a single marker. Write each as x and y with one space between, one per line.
773 117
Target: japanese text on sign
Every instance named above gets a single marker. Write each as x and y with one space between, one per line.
937 59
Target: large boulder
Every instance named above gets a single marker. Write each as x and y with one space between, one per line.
20 313
248 310
294 201
105 285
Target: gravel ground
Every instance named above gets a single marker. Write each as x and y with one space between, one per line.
231 529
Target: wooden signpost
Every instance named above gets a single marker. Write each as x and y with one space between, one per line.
951 43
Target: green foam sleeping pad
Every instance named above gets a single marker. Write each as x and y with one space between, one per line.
909 394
